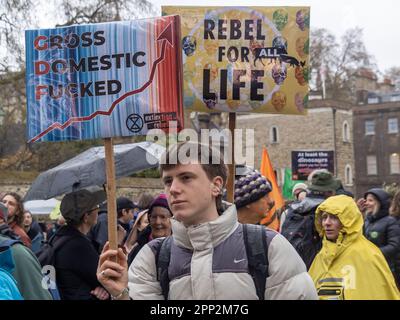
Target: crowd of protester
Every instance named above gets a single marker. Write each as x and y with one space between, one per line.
190 243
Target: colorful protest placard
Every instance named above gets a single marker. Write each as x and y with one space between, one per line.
103 80
245 59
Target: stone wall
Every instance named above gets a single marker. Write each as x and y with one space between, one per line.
130 187
133 187
294 133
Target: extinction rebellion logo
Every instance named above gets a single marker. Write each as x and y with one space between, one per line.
134 123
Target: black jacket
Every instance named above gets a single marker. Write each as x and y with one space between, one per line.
143 238
397 261
32 233
383 230
299 228
76 265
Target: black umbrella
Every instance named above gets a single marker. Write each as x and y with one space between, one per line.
88 169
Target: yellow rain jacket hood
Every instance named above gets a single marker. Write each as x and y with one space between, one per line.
352 268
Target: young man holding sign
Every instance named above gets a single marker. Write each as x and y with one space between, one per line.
209 257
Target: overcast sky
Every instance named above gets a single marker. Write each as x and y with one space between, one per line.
380 21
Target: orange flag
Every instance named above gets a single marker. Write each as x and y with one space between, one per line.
271 220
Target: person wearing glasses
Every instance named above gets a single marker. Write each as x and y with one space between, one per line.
76 259
159 216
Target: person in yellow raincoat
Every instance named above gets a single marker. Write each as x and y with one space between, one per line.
348 267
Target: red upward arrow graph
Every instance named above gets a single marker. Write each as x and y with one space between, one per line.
167 37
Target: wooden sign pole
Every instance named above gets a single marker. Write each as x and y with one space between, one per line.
231 178
111 190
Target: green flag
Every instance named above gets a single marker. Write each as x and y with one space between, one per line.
288 184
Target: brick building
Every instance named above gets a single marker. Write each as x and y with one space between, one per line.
377 144
328 126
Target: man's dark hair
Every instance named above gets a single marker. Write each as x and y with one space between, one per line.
119 213
74 223
208 157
